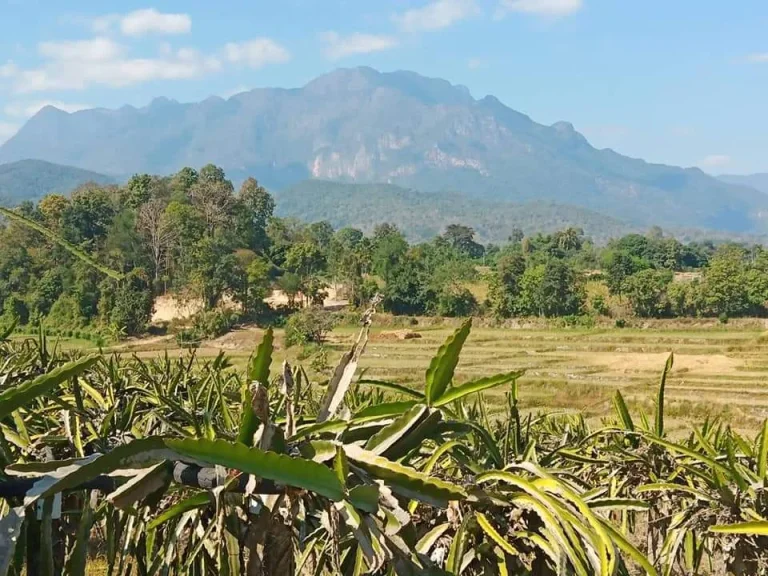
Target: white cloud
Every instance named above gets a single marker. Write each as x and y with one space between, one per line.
103 24
80 64
150 21
8 70
256 53
234 92
715 161
27 109
337 46
143 22
476 63
759 57
93 50
541 7
7 130
435 15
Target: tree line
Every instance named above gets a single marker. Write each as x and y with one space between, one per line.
194 235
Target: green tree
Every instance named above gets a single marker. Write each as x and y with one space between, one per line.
618 266
389 248
408 289
139 189
290 284
254 208
505 285
647 292
569 239
560 290
53 207
126 305
530 301
212 174
724 283
455 301
47 290
215 270
685 298
88 215
462 239
321 233
183 180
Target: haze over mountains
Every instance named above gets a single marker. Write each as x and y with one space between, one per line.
756 181
362 126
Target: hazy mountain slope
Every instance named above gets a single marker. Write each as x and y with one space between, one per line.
756 181
364 126
33 179
421 216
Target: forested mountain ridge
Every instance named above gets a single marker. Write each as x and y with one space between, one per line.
360 125
33 179
423 215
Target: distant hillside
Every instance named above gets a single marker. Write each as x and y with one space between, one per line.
756 181
33 179
363 126
421 216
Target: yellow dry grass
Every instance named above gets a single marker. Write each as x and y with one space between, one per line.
719 370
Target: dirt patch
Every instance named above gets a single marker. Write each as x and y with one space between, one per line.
631 362
169 308
241 339
398 335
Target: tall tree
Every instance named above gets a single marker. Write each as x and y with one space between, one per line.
462 239
157 229
214 200
254 209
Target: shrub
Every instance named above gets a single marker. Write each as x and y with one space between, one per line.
620 323
127 305
456 302
723 318
307 326
577 321
65 312
213 323
15 310
600 306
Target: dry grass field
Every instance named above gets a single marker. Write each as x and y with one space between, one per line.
719 370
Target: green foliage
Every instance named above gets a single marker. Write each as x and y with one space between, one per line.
647 292
208 324
15 310
308 326
455 302
65 312
152 478
600 306
127 305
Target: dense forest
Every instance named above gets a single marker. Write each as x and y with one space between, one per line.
194 236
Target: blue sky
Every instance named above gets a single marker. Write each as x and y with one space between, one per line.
676 81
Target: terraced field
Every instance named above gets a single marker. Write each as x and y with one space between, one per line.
718 371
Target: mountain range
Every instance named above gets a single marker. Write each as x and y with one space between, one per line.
33 179
362 126
756 181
